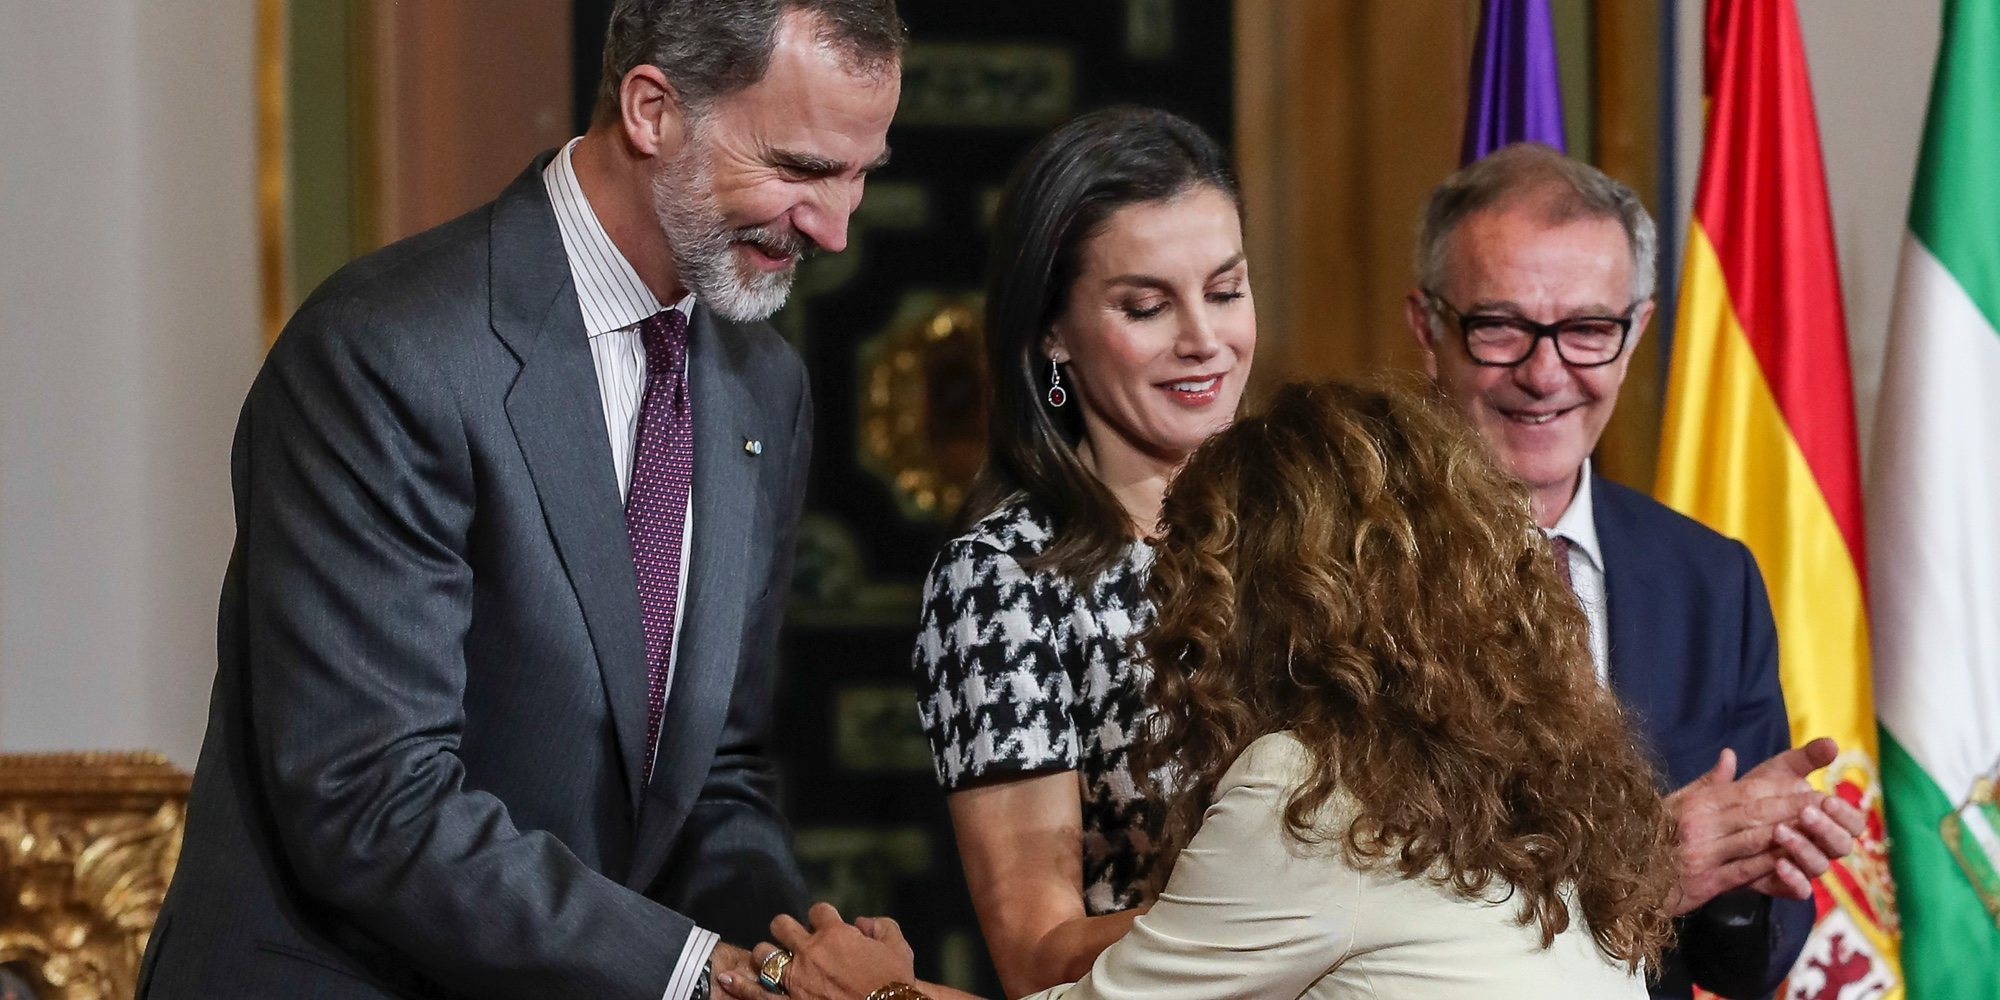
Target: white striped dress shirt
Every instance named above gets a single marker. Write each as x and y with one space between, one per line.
614 302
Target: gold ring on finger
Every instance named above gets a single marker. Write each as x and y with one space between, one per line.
771 971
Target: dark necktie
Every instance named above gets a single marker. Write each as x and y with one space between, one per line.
656 505
1561 547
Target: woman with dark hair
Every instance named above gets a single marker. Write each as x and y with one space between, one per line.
1399 776
1119 332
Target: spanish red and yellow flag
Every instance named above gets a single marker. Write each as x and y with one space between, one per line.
1758 441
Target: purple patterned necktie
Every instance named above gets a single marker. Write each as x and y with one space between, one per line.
1561 547
656 505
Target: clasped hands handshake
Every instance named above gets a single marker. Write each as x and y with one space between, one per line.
834 960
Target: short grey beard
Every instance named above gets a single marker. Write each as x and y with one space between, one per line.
703 246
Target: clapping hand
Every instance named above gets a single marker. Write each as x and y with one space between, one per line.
1768 831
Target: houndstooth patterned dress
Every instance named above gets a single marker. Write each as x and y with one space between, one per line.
1020 674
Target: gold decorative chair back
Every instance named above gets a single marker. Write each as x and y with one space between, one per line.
88 842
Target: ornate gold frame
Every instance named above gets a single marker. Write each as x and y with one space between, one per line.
273 187
88 843
927 457
283 76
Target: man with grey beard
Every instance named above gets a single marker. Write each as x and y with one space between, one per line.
515 505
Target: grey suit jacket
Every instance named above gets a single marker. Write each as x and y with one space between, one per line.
421 770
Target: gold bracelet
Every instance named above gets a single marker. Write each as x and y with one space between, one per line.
898 991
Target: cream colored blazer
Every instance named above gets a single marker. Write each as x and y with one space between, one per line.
1250 912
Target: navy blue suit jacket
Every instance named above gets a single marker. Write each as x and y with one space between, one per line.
1694 659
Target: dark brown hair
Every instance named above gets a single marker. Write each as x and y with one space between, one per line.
1063 194
1352 567
712 48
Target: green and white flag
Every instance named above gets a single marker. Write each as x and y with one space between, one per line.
1934 532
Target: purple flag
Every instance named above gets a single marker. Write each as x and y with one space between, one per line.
1516 93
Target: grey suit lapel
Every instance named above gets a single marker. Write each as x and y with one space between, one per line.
727 505
558 421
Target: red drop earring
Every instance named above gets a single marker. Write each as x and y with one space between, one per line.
1057 396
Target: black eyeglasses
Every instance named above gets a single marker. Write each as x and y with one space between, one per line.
1499 340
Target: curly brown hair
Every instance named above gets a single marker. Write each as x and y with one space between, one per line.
1353 567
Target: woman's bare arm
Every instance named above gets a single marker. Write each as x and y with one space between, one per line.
1021 843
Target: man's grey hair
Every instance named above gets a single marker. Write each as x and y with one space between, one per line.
712 48
1560 189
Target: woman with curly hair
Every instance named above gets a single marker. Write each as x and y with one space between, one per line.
1396 772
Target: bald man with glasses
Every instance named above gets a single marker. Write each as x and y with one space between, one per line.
1535 280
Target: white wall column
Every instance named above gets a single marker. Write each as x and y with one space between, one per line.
128 335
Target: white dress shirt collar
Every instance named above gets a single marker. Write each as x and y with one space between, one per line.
608 288
1579 522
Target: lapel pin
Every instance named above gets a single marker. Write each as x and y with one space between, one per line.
752 446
